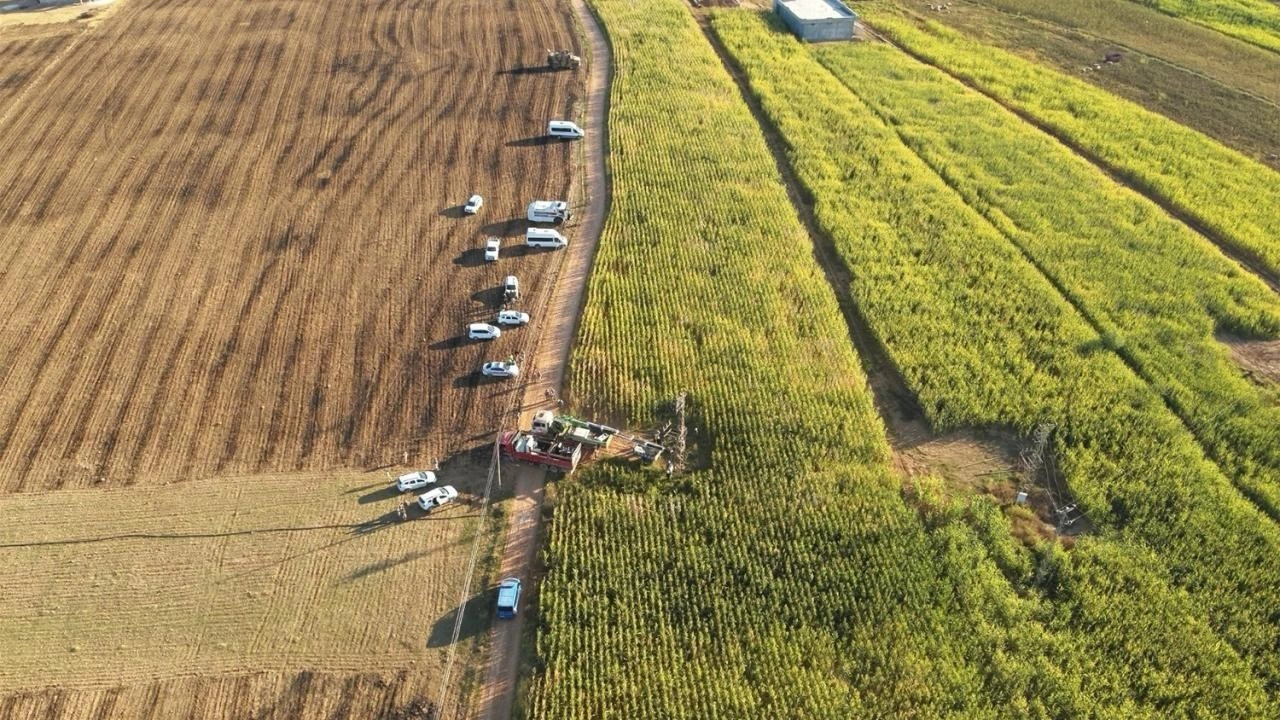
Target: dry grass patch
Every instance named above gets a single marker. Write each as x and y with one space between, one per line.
273 573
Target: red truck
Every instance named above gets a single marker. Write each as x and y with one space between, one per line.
553 455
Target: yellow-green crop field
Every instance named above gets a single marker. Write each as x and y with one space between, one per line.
1132 463
1234 197
1156 290
789 572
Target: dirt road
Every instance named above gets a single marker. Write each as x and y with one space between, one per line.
524 531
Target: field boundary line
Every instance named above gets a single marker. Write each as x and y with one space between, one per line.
1054 27
1117 175
355 527
1237 481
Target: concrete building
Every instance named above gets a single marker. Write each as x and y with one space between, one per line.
817 20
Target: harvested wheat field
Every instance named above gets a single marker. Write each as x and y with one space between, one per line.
231 241
234 277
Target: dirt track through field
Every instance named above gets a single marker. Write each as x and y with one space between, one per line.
497 695
244 254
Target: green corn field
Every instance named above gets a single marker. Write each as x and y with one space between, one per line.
787 572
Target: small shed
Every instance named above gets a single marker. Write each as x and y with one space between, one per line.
817 20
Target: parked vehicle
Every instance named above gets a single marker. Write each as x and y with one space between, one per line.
549 426
544 238
563 60
500 369
513 317
415 480
553 455
483 331
511 288
564 129
508 598
474 203
491 248
548 211
436 498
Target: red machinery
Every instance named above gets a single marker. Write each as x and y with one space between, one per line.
553 455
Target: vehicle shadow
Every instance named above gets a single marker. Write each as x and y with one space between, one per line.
382 493
528 70
506 228
535 141
473 257
493 296
477 379
522 250
452 343
470 619
394 516
453 211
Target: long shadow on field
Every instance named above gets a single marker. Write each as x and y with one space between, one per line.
387 564
535 141
506 228
395 516
452 343
382 493
473 257
468 620
528 70
453 211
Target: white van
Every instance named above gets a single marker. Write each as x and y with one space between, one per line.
544 238
548 211
564 129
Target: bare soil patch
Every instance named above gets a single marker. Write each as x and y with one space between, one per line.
1259 359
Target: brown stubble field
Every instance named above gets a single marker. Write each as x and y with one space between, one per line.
25 53
227 246
233 276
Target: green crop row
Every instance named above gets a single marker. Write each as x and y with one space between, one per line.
784 575
984 338
1234 197
787 538
1254 21
1155 290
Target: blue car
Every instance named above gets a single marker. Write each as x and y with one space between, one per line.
508 598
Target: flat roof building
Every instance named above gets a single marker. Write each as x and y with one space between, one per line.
817 20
